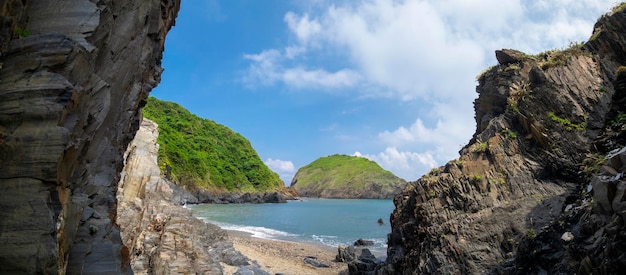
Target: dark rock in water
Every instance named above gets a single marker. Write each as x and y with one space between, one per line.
274 197
362 242
312 261
381 222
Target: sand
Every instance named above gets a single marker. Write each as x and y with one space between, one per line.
284 257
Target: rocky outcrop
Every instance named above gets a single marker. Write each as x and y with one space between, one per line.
226 198
162 237
521 183
359 260
73 76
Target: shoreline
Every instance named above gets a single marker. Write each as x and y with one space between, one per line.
285 257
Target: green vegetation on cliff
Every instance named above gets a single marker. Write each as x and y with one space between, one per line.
204 154
342 176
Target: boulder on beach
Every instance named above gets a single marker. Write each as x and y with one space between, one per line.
358 260
313 261
362 242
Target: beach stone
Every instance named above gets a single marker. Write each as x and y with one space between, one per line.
345 254
567 236
362 242
358 260
250 270
312 261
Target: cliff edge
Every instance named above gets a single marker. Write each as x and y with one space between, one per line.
162 237
73 76
518 198
214 162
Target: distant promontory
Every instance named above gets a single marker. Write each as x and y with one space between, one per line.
346 177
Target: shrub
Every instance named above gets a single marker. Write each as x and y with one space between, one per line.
201 153
480 147
567 123
558 57
518 92
499 179
509 134
21 33
619 120
591 164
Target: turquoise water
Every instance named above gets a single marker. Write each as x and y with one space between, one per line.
331 222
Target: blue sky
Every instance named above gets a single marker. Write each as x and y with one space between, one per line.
393 81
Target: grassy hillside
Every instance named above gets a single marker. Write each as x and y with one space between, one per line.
342 176
207 155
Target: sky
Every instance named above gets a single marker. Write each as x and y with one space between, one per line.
390 80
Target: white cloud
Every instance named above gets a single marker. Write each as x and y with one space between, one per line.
302 26
301 78
402 47
426 50
267 70
284 168
280 165
406 165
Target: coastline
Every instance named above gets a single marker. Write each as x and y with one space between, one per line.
285 257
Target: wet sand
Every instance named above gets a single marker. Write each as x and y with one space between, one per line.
284 257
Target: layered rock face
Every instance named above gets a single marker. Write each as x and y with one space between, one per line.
521 179
73 76
162 237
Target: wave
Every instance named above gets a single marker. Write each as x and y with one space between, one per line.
379 248
256 231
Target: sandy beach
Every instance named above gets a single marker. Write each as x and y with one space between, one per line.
284 257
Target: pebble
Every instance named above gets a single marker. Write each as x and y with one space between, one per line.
567 236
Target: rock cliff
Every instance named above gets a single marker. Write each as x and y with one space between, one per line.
346 177
216 163
162 237
73 76
544 124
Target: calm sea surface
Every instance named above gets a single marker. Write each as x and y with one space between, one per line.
331 222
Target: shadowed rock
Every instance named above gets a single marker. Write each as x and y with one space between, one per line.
73 77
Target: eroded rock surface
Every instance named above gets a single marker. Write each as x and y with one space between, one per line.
162 237
499 208
73 76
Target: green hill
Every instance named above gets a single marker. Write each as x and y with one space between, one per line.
201 154
342 176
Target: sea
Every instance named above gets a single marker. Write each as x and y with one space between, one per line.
329 222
